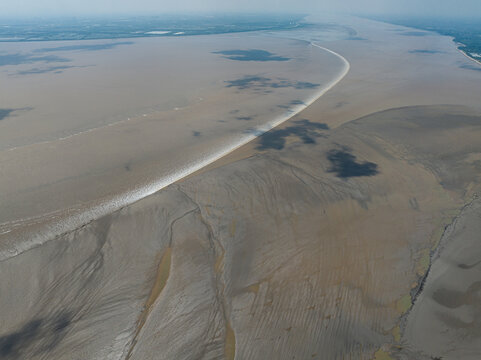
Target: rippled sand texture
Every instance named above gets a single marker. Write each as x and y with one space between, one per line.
446 318
311 242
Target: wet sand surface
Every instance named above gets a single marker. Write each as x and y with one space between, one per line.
124 117
445 321
314 241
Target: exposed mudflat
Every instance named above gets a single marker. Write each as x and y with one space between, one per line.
312 242
445 321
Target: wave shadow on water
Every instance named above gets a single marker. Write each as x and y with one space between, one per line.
255 82
18 59
344 164
50 69
6 113
251 55
425 51
305 130
87 47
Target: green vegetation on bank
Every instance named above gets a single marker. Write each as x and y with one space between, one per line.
103 27
465 32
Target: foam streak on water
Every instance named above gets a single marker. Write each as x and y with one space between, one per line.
15 245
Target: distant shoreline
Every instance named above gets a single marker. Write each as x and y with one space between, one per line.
31 30
461 37
466 54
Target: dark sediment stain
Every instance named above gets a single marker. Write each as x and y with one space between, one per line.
261 83
89 47
251 55
306 130
344 164
196 133
244 118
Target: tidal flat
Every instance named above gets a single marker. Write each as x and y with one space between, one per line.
121 115
329 237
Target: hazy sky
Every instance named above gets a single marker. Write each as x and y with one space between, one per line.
418 7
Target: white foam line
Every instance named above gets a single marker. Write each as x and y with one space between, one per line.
13 247
469 57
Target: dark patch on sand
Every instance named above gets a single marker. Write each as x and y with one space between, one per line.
261 83
306 130
244 118
344 164
89 47
18 59
196 133
251 55
44 333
